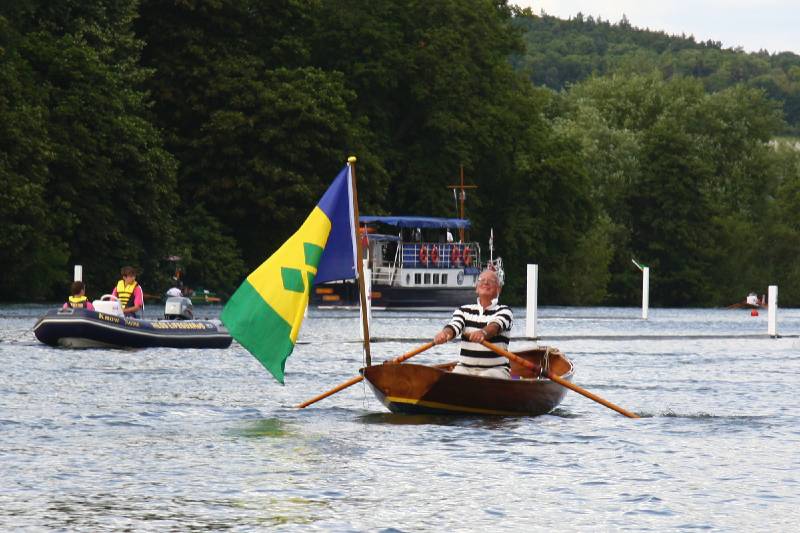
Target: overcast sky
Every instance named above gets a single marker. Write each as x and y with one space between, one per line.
773 25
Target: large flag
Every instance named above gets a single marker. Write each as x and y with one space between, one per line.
266 311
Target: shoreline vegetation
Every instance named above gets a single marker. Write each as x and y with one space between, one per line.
137 132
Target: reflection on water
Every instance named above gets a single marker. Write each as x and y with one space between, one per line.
178 440
461 420
268 427
412 420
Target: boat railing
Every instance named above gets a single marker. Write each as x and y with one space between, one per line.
398 253
383 274
440 255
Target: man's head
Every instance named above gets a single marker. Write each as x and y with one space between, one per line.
128 273
488 285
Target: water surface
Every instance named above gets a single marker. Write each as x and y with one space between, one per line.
166 439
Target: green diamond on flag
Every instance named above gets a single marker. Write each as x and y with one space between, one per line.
292 279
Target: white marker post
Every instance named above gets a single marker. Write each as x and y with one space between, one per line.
645 288
532 301
772 311
78 273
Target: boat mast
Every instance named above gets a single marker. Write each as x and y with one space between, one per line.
461 196
362 293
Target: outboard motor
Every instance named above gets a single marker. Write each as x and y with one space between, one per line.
178 308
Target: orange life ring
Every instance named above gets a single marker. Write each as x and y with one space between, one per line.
435 254
467 256
423 254
454 255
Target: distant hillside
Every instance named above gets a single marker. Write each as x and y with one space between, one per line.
560 52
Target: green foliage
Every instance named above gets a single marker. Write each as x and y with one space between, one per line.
780 240
428 77
258 132
108 185
563 52
434 83
31 252
683 176
209 258
268 157
587 273
667 209
136 130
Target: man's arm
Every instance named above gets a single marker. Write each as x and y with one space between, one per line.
452 329
138 300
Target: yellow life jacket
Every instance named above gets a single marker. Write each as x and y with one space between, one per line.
125 292
77 302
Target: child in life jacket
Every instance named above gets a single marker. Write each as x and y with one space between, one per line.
78 299
129 293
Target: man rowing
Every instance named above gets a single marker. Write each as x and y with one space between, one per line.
485 320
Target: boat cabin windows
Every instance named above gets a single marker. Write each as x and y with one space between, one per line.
427 278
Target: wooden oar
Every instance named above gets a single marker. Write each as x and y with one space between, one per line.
563 382
395 361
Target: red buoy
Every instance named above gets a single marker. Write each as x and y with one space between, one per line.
754 312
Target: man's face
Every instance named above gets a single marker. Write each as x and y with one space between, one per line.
488 285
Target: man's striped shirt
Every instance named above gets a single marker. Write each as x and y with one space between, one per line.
469 318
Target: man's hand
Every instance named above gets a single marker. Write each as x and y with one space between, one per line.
443 336
480 335
477 336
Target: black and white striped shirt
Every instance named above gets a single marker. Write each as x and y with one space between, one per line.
469 318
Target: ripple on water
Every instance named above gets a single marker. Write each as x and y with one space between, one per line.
204 439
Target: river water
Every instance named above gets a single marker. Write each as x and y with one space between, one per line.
178 440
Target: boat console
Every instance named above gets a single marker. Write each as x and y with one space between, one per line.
108 304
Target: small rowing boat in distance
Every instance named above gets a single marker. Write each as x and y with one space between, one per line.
421 389
751 302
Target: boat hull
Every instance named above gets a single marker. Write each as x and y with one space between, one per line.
81 328
420 389
745 305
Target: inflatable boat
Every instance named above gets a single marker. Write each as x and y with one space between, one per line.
106 326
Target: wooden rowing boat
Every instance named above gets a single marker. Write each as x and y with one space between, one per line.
414 389
746 305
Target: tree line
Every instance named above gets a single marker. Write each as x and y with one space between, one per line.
137 130
561 52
